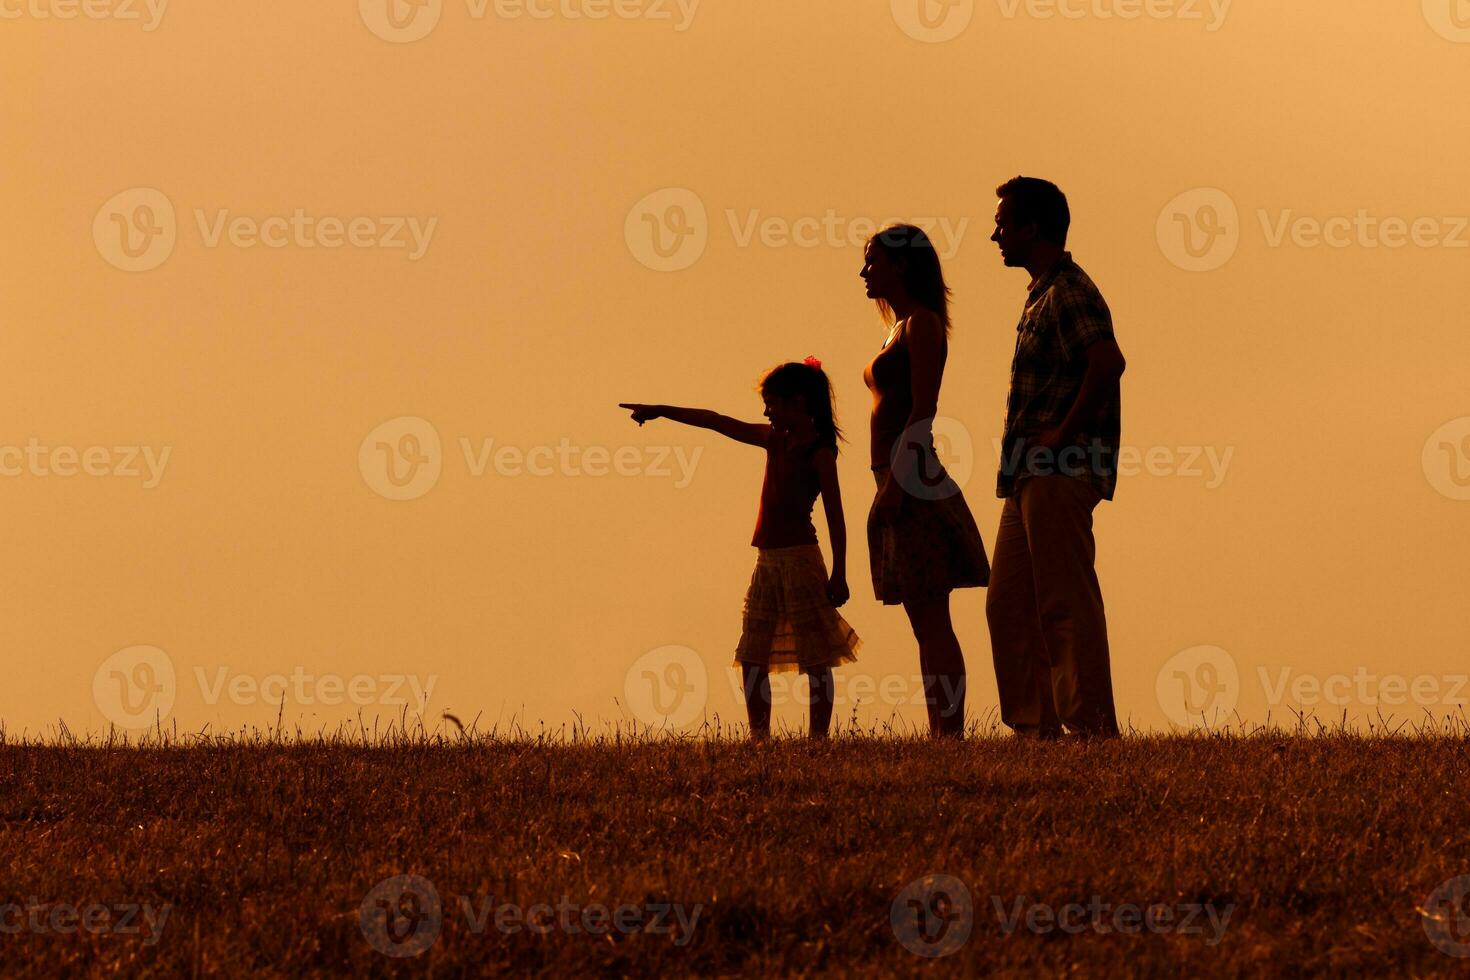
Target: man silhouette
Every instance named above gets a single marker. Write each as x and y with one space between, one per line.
1059 458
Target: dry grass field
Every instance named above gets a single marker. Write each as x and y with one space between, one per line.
1242 854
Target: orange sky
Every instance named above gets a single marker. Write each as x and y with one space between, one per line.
367 227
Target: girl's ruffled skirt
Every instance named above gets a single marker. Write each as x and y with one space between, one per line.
789 624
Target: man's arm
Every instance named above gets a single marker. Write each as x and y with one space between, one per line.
1085 330
1105 365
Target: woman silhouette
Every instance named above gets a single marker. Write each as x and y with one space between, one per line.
922 539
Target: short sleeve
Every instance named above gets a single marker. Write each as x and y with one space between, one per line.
1083 318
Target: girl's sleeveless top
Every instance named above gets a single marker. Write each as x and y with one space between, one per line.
788 493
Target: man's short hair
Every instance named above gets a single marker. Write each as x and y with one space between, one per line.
1040 201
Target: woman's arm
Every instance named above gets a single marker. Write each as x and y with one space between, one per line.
926 353
826 461
924 335
750 433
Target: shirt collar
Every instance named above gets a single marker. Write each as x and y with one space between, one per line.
1050 275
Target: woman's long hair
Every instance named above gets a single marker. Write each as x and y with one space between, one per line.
815 388
909 248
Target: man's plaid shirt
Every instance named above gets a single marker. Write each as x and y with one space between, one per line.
1064 315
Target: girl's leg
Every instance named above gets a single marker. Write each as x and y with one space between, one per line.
757 700
822 693
943 664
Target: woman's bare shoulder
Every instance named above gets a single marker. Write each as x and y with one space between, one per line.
923 320
925 328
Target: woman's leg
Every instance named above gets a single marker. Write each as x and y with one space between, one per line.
943 665
758 700
822 693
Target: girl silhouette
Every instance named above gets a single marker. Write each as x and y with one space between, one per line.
790 620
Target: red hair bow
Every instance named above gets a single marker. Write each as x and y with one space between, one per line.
812 362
